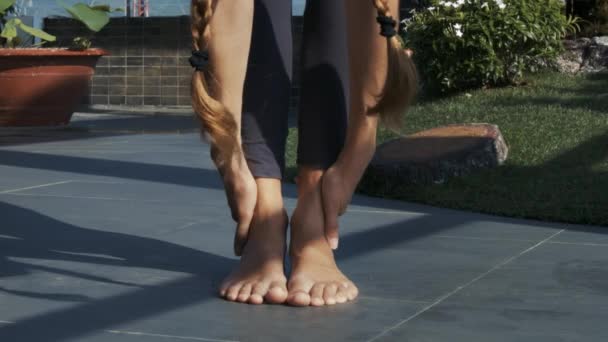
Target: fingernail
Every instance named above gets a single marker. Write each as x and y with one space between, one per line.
333 243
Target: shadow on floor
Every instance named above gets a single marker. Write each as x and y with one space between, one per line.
178 175
31 235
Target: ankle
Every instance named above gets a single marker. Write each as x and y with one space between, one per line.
306 236
268 233
270 198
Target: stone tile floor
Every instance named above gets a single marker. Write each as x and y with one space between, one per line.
111 236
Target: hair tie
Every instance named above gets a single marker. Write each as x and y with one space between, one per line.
199 60
387 26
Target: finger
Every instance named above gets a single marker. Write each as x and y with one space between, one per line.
331 230
342 210
241 233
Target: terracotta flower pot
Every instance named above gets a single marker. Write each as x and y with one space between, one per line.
43 87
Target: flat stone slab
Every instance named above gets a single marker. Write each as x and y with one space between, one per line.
126 237
438 154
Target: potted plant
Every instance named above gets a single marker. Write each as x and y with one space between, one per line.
43 86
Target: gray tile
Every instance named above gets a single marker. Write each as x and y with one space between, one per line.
135 241
227 321
553 293
418 268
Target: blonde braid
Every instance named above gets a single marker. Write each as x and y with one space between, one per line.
216 121
401 80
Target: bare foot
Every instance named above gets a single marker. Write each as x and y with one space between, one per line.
260 276
315 278
241 193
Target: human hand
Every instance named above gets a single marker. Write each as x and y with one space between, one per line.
241 194
336 196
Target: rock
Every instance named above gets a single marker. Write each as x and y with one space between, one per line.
578 44
584 55
601 41
572 59
569 63
597 59
436 155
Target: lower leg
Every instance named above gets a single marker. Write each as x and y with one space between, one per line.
260 276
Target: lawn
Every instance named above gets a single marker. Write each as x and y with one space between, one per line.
556 127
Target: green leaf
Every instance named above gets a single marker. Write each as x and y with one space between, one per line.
94 19
37 33
5 4
10 30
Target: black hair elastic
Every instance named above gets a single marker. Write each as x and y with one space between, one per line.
199 60
387 26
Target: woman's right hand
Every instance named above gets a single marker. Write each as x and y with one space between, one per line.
241 193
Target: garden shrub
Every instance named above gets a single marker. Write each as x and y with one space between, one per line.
601 17
460 44
594 15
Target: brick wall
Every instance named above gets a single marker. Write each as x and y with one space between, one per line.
148 64
148 61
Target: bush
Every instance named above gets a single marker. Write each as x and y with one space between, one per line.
600 18
460 44
594 15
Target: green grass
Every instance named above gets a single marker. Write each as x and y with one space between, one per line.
557 131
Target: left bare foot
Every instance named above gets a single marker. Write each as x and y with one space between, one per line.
315 278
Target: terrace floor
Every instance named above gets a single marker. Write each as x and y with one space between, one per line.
116 229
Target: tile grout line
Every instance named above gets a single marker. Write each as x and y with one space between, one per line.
393 300
521 240
455 237
579 243
190 338
35 187
461 287
394 212
85 197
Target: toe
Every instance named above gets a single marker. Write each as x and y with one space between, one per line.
245 293
298 298
233 292
329 293
299 291
316 295
352 291
223 290
342 294
258 292
277 293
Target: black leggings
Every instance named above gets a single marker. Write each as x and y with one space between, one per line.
322 117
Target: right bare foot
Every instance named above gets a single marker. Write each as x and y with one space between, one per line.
260 276
315 278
